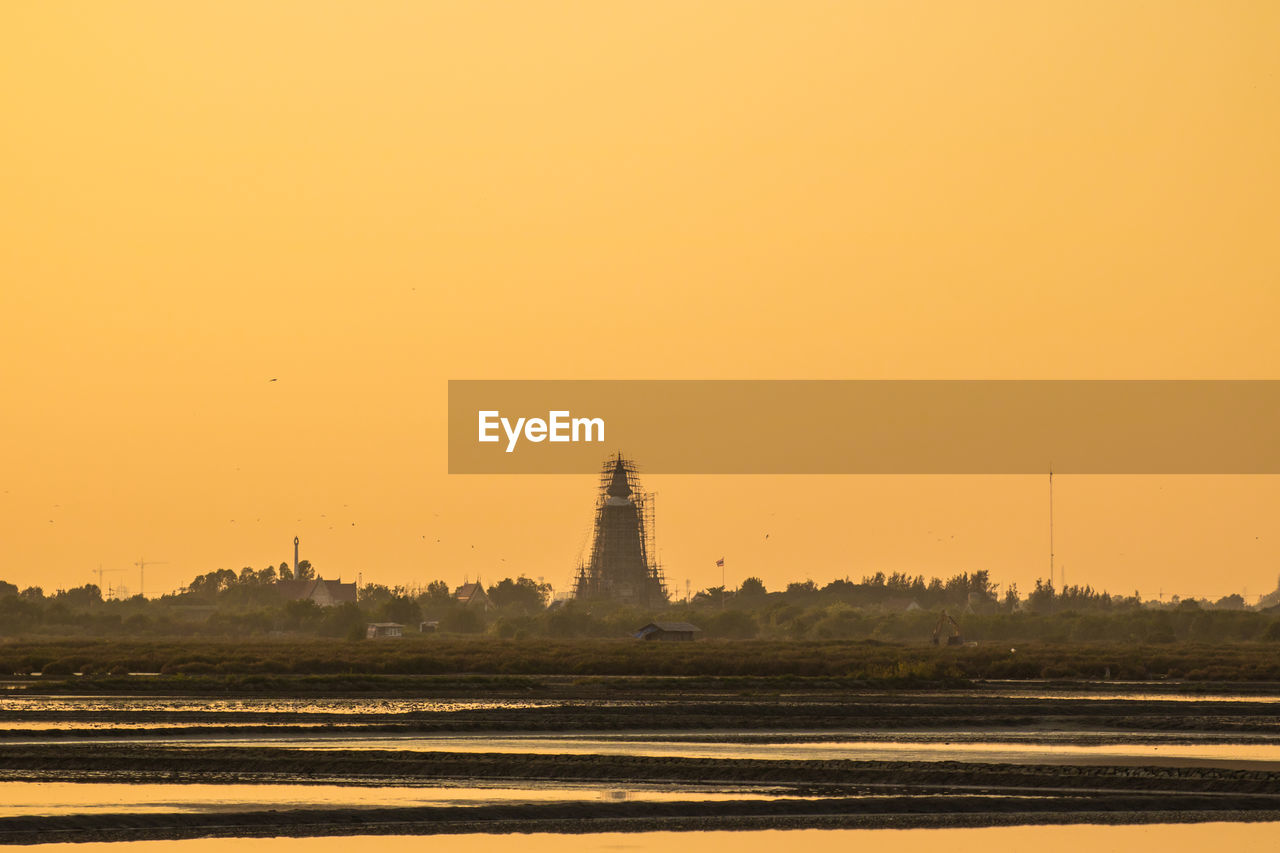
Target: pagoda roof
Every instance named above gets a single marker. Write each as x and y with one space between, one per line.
618 486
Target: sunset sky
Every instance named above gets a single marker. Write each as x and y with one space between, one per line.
362 201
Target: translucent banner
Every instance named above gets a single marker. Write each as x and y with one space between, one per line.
866 426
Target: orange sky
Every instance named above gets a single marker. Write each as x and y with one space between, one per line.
365 200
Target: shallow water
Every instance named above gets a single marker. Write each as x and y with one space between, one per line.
852 748
1166 838
985 747
117 725
66 798
399 705
1137 695
354 707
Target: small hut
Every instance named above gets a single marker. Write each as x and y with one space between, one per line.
668 632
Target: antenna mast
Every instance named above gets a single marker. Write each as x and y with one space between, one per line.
1050 523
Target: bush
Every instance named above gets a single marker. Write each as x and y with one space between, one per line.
731 624
464 620
62 666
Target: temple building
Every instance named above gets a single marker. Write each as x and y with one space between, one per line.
623 566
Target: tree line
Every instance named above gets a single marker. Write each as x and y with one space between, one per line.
891 607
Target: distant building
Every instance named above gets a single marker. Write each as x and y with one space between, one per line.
431 626
322 592
384 629
667 632
472 595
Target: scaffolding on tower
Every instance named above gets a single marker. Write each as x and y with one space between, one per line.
623 565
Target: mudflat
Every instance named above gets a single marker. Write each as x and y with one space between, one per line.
1072 753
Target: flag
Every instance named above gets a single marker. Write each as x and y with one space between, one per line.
720 563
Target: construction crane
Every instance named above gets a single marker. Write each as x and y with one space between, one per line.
945 624
142 568
101 572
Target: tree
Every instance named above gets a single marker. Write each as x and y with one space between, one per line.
301 615
463 620
735 624
305 571
752 588
438 594
980 582
374 594
80 596
1011 598
207 586
402 609
710 594
802 588
522 593
1041 599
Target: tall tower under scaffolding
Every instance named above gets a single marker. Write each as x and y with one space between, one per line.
623 565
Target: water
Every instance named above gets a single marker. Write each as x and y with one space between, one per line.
223 717
85 798
266 705
1134 695
408 706
1166 838
124 725
1019 749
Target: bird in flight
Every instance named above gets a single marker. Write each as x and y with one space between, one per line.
273 380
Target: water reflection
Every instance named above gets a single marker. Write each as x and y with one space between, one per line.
1035 749
66 798
354 707
1167 838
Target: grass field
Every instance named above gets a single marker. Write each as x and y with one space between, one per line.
86 662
